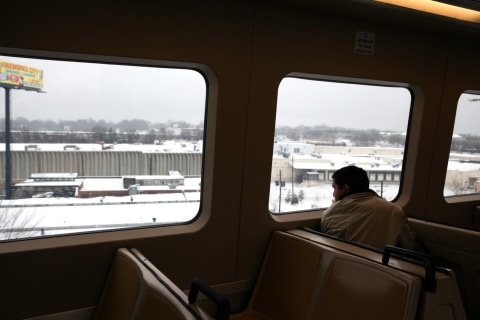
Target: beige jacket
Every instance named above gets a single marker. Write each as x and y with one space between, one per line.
366 218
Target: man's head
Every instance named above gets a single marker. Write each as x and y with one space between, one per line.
349 180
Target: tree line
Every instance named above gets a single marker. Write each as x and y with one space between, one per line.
336 135
143 131
93 131
23 124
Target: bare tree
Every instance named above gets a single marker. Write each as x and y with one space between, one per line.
457 185
17 222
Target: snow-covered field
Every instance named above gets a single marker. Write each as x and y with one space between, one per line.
317 196
47 216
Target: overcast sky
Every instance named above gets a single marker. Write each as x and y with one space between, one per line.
114 93
468 115
311 102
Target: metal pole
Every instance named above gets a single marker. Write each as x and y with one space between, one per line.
280 193
8 165
293 177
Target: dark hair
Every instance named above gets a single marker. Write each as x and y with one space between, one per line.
355 177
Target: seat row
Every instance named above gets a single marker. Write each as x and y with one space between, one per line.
304 275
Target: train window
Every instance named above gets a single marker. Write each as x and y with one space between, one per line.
98 145
463 172
322 126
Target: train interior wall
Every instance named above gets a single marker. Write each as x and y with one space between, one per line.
245 49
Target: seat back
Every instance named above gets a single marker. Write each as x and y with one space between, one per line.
303 279
136 289
288 279
354 289
439 298
122 289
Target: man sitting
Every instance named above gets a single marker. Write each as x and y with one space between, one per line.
360 215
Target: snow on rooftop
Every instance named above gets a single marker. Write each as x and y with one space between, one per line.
99 184
167 146
463 166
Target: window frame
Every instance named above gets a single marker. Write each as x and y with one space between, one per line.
204 210
292 215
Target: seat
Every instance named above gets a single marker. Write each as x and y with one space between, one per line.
136 289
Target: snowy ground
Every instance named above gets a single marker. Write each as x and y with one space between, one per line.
49 216
318 196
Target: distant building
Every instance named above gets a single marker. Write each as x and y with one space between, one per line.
48 185
288 148
130 185
70 185
319 166
176 131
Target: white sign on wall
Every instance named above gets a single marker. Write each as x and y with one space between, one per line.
364 42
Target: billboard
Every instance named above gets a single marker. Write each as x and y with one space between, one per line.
18 76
